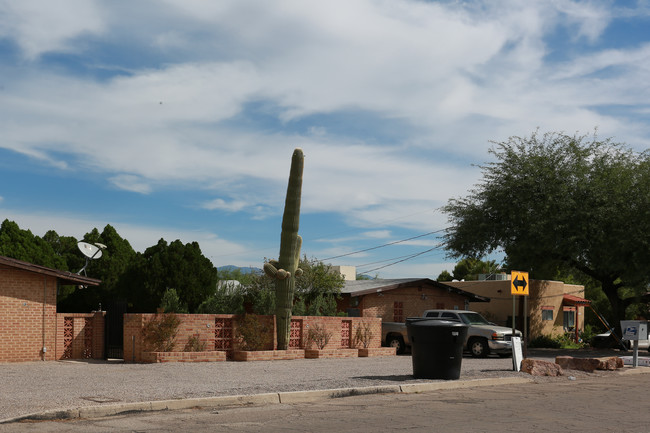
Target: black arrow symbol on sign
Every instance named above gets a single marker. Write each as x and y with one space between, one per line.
520 283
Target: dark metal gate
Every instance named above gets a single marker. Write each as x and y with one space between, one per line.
114 330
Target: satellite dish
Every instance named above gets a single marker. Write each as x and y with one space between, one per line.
91 251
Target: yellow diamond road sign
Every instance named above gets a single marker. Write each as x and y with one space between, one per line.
519 283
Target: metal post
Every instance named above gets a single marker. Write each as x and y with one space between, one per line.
514 366
525 336
513 314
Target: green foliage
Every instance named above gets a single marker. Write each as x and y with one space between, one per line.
299 307
561 202
228 298
171 303
562 341
24 245
252 333
363 334
176 265
322 305
159 333
445 276
194 344
116 260
318 335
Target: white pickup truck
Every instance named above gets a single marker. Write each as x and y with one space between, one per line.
483 337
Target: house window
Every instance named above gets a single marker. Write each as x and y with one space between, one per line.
547 313
569 318
398 311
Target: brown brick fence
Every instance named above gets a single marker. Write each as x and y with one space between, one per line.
218 332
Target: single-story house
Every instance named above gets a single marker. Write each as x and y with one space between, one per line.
395 300
553 306
29 326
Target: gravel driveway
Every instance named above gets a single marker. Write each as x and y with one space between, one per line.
38 386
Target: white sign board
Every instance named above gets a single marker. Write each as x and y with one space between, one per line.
517 354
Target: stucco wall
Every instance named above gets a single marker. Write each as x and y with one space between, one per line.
543 295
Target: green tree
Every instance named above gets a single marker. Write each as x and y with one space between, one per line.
24 245
445 276
562 202
110 268
177 265
228 298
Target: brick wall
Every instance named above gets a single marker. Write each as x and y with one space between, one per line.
27 316
209 328
80 335
413 301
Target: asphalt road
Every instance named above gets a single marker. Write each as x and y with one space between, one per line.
607 403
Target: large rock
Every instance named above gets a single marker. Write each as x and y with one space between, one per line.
610 363
583 364
537 367
589 364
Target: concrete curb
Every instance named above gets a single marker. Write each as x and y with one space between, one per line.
436 386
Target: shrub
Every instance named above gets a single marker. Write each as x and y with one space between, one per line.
318 335
562 341
363 335
171 302
252 334
544 341
159 333
194 344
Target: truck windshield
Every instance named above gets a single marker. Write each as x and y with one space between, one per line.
473 319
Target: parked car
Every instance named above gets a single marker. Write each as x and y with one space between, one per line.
607 341
483 337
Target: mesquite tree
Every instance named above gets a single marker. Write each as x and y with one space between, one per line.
285 269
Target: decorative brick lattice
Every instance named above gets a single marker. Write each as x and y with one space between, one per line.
68 333
222 334
346 325
295 337
398 311
88 338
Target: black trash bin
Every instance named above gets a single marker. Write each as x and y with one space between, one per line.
436 347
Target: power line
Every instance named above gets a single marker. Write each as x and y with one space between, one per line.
385 245
412 256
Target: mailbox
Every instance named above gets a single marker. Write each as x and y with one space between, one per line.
634 330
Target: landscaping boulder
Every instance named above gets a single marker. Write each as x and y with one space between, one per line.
589 364
610 363
537 367
583 364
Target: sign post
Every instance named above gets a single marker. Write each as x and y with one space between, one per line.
519 286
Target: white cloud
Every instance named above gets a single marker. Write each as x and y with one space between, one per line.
221 204
452 76
45 26
130 183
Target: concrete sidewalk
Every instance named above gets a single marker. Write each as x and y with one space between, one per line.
71 389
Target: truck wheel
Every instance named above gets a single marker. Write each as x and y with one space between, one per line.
397 342
478 347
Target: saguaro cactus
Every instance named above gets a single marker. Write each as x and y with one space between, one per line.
285 269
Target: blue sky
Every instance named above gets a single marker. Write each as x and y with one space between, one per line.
177 119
